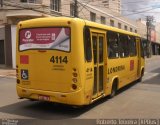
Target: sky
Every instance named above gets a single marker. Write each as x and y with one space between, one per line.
135 9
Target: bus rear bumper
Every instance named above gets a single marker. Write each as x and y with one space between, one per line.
72 98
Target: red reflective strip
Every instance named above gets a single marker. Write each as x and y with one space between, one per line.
131 65
24 59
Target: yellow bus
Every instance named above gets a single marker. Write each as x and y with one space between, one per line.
74 61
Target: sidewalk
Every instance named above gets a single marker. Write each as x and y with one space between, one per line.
9 73
155 57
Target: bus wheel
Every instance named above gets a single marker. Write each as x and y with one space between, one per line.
114 90
140 79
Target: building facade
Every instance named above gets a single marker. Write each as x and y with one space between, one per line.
156 43
106 16
152 45
13 11
106 12
113 5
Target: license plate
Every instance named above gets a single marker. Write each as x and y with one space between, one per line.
43 97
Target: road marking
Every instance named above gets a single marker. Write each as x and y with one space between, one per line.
150 75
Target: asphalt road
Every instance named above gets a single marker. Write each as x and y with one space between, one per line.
136 101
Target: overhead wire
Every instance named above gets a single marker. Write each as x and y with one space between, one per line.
83 6
138 12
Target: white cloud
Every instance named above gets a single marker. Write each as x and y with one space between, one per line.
141 8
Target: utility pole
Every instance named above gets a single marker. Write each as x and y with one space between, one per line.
75 8
149 20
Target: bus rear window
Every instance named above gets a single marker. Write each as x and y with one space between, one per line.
45 38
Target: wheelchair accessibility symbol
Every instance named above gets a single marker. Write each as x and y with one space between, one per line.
24 74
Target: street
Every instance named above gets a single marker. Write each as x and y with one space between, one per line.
139 100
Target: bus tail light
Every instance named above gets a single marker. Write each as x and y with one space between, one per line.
17 71
74 86
74 69
18 81
75 74
74 80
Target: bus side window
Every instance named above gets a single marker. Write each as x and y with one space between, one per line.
142 48
87 45
112 44
123 45
132 46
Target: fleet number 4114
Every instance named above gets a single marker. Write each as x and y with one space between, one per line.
59 59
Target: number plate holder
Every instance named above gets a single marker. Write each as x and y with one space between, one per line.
44 98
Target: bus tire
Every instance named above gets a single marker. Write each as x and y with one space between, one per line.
114 89
140 79
142 73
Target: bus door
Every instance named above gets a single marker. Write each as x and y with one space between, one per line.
98 54
139 57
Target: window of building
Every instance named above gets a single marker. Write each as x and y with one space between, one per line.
125 27
119 10
112 45
92 16
135 31
55 5
131 29
72 6
112 23
24 1
28 1
123 45
119 25
103 20
106 1
132 46
106 5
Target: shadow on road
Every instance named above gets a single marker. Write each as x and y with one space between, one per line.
52 111
46 110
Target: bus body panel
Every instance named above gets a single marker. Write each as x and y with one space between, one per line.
72 80
47 74
44 75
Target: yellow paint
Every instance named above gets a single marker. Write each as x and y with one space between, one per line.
44 80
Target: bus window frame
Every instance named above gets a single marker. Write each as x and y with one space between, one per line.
110 31
120 46
135 45
84 44
141 48
44 48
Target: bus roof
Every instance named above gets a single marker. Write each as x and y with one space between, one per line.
110 28
61 20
